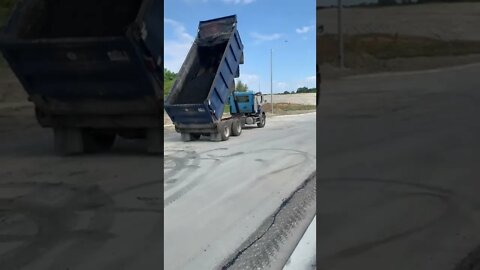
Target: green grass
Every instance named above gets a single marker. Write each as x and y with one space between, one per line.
167 85
385 46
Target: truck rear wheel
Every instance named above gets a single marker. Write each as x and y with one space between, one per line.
236 128
186 137
225 131
263 121
68 141
195 136
154 138
97 141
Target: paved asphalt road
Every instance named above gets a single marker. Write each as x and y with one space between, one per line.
220 196
244 203
88 212
399 174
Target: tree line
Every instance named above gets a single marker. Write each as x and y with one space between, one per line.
407 2
169 78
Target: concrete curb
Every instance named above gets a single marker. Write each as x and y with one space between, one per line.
304 255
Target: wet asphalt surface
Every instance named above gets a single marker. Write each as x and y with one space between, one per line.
398 175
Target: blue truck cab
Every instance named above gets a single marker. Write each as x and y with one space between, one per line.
249 105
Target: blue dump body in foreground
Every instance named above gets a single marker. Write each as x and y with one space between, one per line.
112 57
206 79
93 69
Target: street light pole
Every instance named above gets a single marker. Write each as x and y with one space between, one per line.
271 77
340 35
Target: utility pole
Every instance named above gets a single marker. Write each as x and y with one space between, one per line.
340 35
271 77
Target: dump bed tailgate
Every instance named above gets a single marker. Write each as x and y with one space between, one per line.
89 68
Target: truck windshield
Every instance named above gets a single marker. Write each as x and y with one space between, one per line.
243 99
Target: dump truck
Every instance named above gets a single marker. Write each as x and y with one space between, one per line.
206 83
92 68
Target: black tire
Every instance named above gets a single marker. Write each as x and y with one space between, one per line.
225 132
154 140
187 137
237 128
97 141
68 141
263 121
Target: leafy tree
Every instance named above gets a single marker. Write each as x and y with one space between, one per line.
387 2
302 90
7 3
169 78
306 90
241 87
286 93
169 75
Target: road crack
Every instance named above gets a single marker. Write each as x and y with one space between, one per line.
273 220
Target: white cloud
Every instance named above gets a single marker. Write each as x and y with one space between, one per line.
176 49
237 2
280 86
309 82
304 29
179 30
234 2
265 37
252 80
194 1
311 79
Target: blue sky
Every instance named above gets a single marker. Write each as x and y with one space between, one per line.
345 2
286 26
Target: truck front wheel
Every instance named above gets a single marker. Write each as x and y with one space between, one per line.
263 120
236 128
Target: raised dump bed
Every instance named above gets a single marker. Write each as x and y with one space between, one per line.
206 83
90 65
206 78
